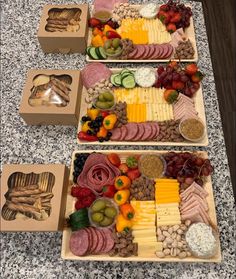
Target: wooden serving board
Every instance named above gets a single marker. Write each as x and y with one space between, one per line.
199 105
147 255
189 32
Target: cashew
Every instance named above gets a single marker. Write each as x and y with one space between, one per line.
174 244
179 231
166 251
178 237
175 227
161 238
169 240
160 254
159 232
183 227
182 255
173 252
164 228
170 230
174 235
165 233
187 223
179 244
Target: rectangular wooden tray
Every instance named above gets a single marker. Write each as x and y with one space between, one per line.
189 32
145 256
199 104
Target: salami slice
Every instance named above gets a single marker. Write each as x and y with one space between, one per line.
170 51
154 130
109 241
151 51
140 53
116 134
132 131
132 54
165 48
100 243
147 51
93 73
79 242
147 131
140 132
124 132
94 239
161 51
157 52
157 130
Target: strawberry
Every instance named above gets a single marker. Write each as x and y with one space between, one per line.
171 28
87 201
164 7
123 168
171 95
197 77
133 174
164 17
84 192
94 22
191 69
108 191
178 85
114 159
78 205
75 190
171 13
176 18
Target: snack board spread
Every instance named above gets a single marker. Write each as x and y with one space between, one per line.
140 206
123 32
143 105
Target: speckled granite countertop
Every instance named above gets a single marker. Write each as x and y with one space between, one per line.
37 255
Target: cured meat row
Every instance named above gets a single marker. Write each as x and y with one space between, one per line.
91 241
152 51
136 132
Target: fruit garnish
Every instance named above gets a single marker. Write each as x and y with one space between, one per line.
171 95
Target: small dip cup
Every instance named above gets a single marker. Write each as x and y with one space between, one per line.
188 138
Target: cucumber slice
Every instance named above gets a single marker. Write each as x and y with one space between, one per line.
128 82
126 74
113 79
102 53
125 71
98 53
92 53
117 79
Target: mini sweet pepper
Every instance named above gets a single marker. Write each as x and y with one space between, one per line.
110 121
122 196
93 113
123 224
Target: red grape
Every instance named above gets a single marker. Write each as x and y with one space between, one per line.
188 180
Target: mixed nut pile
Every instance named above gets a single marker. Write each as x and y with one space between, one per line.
173 240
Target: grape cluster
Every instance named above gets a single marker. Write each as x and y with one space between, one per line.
79 162
184 11
176 78
187 167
